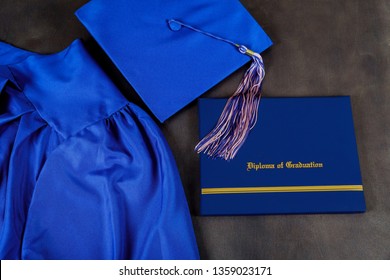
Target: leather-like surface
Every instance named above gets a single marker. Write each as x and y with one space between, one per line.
321 48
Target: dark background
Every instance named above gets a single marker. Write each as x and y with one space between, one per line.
322 48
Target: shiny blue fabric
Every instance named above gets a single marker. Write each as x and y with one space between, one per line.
84 174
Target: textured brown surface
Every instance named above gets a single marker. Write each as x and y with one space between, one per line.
322 48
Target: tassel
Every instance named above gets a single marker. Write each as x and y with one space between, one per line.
239 115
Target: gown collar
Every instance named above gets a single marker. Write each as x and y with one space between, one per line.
68 89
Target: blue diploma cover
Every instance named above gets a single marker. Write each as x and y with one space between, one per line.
300 158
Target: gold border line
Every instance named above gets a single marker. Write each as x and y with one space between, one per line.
282 189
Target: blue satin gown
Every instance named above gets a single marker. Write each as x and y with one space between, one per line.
84 174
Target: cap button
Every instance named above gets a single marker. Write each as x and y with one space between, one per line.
174 25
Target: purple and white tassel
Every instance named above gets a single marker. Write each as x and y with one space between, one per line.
240 113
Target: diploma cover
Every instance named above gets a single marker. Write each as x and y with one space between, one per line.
300 158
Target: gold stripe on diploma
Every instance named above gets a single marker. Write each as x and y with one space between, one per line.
282 189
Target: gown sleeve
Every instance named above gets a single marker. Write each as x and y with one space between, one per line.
111 191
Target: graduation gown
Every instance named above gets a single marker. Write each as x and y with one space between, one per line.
84 174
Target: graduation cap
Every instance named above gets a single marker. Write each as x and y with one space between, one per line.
172 51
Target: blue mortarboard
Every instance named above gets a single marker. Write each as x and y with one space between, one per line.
172 51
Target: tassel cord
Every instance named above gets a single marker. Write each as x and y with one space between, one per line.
241 110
